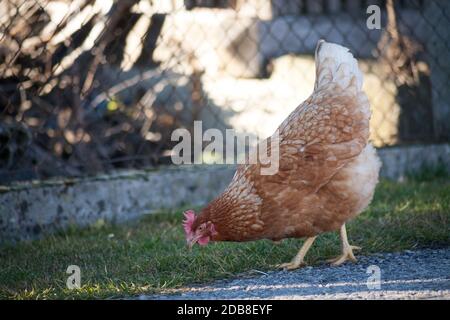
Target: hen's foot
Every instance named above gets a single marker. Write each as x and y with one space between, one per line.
298 260
291 265
347 254
347 249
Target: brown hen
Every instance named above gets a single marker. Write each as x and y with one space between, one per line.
327 169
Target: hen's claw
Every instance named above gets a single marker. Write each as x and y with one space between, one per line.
347 254
298 260
347 249
291 265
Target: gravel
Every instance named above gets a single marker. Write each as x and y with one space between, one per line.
423 274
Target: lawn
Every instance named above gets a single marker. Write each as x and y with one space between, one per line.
150 256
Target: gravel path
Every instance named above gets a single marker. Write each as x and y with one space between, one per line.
423 274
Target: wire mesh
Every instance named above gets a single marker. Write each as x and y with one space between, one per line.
90 86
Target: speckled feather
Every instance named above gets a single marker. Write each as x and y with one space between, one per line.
327 170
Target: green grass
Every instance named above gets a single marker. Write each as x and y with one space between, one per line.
149 256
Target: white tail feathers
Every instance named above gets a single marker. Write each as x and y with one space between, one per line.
336 63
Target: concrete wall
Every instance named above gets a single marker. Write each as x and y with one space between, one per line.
401 160
30 210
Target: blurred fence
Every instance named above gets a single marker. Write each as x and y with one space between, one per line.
89 86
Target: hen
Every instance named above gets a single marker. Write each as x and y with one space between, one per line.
327 170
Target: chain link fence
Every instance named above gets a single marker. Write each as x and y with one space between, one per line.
90 86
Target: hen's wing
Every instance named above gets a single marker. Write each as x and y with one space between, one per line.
322 135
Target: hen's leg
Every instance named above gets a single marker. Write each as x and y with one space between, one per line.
298 260
347 249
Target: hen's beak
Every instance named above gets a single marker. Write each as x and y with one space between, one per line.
192 241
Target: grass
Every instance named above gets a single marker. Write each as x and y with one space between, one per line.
149 256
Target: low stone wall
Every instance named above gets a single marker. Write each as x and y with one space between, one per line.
401 160
29 210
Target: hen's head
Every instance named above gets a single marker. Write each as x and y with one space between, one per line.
196 231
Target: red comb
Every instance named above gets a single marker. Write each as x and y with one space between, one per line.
187 223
